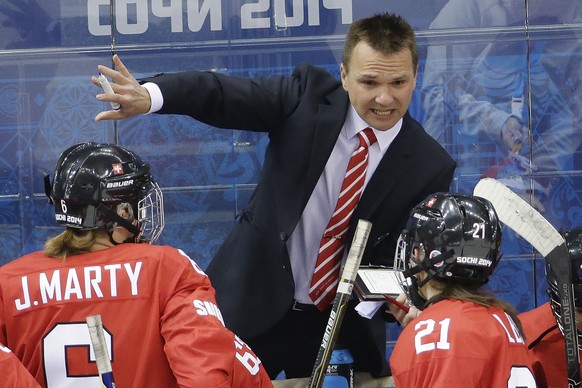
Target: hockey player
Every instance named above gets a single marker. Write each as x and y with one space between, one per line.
542 325
463 337
158 308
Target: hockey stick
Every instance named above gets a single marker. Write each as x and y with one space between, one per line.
340 303
518 215
100 349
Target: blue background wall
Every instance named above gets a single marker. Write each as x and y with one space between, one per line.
476 57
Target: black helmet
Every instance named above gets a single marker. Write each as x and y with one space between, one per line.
458 237
98 185
573 239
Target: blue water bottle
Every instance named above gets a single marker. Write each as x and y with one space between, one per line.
340 371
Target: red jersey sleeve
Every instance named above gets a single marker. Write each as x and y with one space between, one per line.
14 374
548 346
200 349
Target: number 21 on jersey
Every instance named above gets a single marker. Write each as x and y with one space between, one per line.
519 376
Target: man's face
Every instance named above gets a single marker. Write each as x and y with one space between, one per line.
379 86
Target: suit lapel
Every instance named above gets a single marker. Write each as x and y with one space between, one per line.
329 124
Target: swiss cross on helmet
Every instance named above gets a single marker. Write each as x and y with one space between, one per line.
457 238
98 185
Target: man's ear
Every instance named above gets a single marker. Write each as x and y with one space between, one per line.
343 75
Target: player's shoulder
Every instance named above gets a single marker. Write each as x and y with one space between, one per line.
24 263
172 256
538 322
162 253
535 314
463 316
450 312
450 307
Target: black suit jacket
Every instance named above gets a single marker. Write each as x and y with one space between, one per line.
303 115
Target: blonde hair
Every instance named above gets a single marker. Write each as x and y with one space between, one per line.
71 242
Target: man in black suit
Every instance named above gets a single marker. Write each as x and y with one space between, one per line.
262 272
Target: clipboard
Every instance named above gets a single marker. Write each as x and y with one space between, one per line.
373 283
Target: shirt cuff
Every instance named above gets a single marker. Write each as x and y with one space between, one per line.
156 98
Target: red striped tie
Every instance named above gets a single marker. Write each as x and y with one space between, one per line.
326 274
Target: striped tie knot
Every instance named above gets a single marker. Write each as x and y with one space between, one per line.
367 137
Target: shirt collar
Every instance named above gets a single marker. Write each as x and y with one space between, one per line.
355 124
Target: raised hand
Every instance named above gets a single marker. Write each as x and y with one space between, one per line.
133 98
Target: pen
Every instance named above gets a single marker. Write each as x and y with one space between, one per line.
393 300
108 90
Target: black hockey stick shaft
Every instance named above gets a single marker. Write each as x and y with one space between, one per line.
559 261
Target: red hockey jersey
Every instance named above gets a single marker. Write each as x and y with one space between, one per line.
159 313
456 343
547 343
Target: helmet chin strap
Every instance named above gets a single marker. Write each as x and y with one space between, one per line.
116 218
110 226
427 266
413 290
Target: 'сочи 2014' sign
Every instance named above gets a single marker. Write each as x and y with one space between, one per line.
134 17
